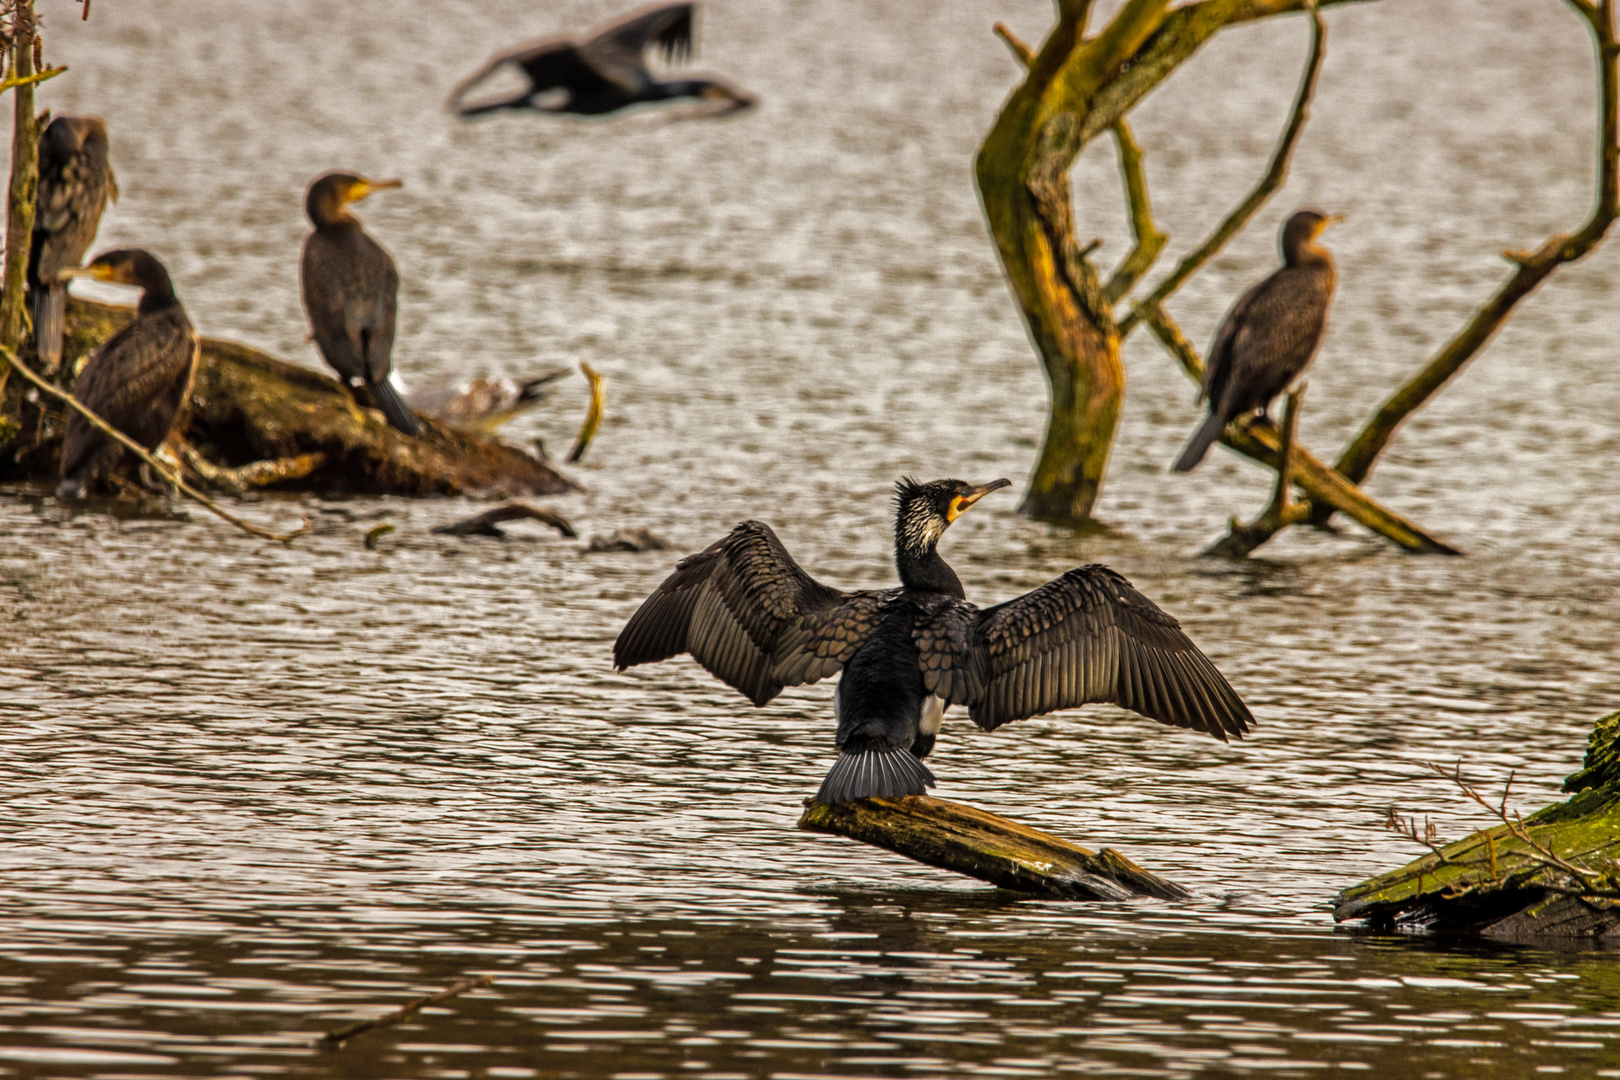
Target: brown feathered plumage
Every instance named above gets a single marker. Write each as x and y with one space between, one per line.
138 381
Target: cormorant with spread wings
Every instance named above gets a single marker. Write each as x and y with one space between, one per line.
605 71
745 611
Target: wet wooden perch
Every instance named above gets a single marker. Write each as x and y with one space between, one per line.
967 840
248 407
1555 873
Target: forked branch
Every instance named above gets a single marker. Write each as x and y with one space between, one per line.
1276 173
1149 240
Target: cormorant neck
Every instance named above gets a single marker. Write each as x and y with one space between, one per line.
157 290
924 571
678 88
1307 253
327 211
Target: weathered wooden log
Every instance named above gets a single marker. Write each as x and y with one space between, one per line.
967 840
1552 875
247 406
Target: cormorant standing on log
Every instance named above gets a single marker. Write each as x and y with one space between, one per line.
75 181
138 380
746 611
1269 337
350 287
605 71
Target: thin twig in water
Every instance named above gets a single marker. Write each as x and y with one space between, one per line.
593 412
169 476
343 1034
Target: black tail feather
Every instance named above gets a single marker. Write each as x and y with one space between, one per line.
1200 443
394 407
50 301
874 773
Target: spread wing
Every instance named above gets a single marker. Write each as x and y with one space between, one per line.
1087 636
618 49
547 63
746 612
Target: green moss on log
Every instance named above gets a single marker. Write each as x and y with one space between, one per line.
975 842
1494 884
248 406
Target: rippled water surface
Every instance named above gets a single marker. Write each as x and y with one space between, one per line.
250 792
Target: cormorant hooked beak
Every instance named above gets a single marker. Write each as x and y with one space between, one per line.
968 496
1331 219
366 187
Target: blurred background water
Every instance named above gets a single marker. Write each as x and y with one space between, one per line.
248 792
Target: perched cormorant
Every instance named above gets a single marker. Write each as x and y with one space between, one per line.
605 71
752 618
350 287
1269 337
138 380
75 181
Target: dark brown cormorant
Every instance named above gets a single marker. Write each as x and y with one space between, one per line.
138 380
350 287
75 181
753 619
1269 337
605 71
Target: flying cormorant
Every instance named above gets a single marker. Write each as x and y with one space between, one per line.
605 71
1268 338
138 380
746 612
350 286
75 181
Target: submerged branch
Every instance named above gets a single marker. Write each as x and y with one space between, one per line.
170 476
1273 179
1281 512
343 1034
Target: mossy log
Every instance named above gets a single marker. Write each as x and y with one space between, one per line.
975 842
1494 884
247 406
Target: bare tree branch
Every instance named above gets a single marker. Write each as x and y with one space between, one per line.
1023 53
1273 179
170 476
1281 512
1149 240
1532 269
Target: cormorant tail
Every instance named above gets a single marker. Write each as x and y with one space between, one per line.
50 301
867 773
394 407
482 107
1200 443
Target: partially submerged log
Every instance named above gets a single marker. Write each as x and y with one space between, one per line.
247 407
1553 874
975 842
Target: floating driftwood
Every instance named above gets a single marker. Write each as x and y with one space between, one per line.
975 842
1553 874
249 407
487 523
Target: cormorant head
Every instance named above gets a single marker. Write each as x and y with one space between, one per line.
730 98
1300 233
132 266
922 512
331 192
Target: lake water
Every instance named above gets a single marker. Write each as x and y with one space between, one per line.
249 792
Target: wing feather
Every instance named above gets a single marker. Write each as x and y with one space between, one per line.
1086 637
750 616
